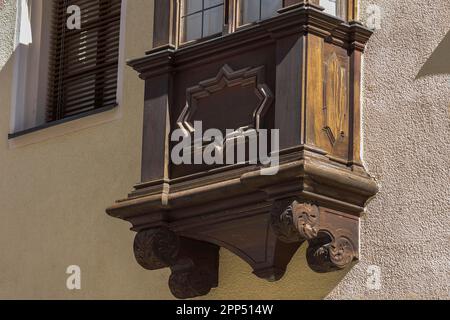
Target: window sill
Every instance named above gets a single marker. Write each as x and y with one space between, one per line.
64 126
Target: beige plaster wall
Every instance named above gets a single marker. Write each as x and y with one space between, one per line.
7 22
53 193
407 148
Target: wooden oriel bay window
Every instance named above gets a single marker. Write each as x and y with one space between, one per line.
83 62
291 67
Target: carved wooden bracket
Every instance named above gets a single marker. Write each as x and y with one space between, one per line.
331 245
298 73
194 264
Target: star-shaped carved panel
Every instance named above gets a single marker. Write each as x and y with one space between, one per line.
235 100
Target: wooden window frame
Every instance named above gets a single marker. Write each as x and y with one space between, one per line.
230 21
167 22
352 8
181 4
237 15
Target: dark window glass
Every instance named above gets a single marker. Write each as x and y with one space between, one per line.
256 10
201 18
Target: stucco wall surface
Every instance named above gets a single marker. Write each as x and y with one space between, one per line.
53 193
7 23
406 231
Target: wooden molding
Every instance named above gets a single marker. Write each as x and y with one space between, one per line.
252 78
299 73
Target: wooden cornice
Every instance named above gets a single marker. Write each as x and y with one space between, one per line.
302 173
297 19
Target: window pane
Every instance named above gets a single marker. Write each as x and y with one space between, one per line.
329 5
255 10
191 6
212 3
336 8
269 8
192 27
201 18
249 11
213 21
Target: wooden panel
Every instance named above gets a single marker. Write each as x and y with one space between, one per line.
156 126
290 98
327 113
231 100
335 105
164 22
314 93
238 100
355 108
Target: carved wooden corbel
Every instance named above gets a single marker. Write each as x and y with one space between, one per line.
329 253
194 264
297 222
329 249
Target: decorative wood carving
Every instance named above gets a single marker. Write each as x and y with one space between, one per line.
300 73
326 254
297 221
194 264
328 249
255 97
335 99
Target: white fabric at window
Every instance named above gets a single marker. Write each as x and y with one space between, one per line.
30 65
24 23
335 7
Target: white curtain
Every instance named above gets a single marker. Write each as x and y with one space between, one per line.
24 23
330 6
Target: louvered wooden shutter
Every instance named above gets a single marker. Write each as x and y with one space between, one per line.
83 63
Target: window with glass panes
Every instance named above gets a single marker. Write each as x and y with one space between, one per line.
336 8
201 19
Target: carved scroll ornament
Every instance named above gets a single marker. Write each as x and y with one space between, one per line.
294 221
194 264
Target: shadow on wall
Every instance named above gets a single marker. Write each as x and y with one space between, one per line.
6 82
300 282
439 61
